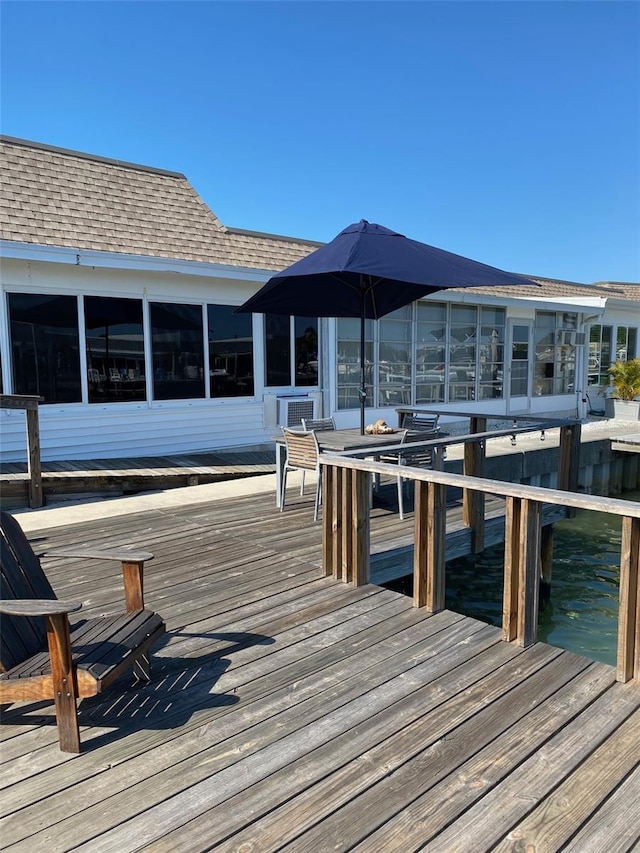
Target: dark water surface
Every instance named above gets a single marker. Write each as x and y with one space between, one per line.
582 615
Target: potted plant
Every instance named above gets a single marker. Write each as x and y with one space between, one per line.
625 378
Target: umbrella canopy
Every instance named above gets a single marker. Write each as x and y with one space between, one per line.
368 271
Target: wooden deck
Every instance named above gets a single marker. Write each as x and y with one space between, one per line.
124 476
292 712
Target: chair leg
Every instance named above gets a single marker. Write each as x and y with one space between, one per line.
318 497
302 484
284 488
64 683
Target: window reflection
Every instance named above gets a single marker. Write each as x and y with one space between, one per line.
115 349
306 332
285 336
277 335
230 352
555 353
177 343
45 346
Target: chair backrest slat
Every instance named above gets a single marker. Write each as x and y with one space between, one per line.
318 424
302 449
417 456
421 423
20 636
21 547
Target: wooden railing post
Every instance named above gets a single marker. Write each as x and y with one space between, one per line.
329 474
361 528
521 571
332 521
473 503
629 613
346 509
34 466
429 547
569 461
346 545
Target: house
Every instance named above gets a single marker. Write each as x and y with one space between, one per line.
118 291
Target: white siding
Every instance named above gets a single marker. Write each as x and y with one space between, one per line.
107 432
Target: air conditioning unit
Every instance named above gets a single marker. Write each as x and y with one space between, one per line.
569 337
291 410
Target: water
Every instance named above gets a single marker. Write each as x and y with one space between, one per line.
582 615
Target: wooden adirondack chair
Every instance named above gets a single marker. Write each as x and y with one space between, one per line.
42 656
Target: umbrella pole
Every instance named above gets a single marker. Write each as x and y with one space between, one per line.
363 371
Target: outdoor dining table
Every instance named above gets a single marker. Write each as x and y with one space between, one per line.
336 441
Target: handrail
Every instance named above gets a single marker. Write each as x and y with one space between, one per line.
346 542
501 488
29 403
475 448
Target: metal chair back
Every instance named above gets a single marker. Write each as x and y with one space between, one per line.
318 424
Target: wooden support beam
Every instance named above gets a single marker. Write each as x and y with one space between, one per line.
521 571
329 475
569 461
429 550
34 465
336 524
346 508
629 613
473 503
513 508
546 561
361 528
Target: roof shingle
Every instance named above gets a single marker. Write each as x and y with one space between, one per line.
53 197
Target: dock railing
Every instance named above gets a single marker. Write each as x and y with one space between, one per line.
346 542
29 403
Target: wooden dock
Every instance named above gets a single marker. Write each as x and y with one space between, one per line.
115 477
293 712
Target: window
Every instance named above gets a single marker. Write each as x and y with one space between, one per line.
430 353
291 350
306 351
394 358
45 346
602 353
230 352
625 344
177 343
462 352
491 353
599 355
555 354
115 349
348 362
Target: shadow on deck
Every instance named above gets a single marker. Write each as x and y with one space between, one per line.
292 712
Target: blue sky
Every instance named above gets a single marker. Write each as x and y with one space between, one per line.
505 131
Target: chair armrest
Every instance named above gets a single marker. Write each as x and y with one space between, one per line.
132 568
38 607
122 554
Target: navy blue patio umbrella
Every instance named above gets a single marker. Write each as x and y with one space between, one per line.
368 271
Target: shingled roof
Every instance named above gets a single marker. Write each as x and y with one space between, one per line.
551 288
56 197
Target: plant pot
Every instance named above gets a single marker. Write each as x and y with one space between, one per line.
625 410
